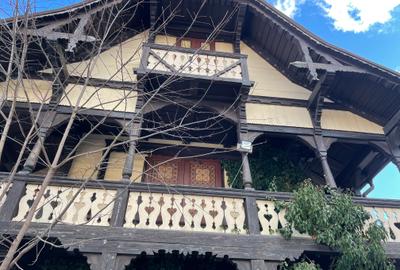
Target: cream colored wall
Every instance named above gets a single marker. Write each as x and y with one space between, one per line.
115 64
269 82
277 115
116 163
85 165
35 91
100 98
348 121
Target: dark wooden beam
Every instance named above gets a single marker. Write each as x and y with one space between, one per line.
391 124
312 74
316 101
393 140
153 19
49 31
239 25
311 66
314 97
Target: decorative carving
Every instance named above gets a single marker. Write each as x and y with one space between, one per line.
271 219
202 174
185 213
91 207
164 173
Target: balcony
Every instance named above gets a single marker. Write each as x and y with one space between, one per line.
177 209
225 70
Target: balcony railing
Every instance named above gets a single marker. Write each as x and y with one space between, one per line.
179 208
201 64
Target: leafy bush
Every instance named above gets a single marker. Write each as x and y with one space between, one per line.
332 219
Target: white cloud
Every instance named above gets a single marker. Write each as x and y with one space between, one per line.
358 15
347 15
289 7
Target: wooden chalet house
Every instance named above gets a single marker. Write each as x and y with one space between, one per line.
164 93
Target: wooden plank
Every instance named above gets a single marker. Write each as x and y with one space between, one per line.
395 120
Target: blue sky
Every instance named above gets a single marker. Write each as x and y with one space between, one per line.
369 28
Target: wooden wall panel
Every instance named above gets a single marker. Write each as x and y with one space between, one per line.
34 91
165 40
269 82
100 98
171 41
116 163
115 64
348 121
277 115
84 166
223 47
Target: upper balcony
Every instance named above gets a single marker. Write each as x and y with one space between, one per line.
217 72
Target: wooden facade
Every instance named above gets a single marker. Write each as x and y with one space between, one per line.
149 187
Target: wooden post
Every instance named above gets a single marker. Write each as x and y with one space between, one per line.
322 152
120 204
134 130
107 261
33 157
393 140
330 180
10 206
247 179
251 215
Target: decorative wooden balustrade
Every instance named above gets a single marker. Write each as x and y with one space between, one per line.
159 208
185 213
216 66
91 207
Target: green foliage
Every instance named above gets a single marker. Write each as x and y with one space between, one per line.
271 169
332 219
303 265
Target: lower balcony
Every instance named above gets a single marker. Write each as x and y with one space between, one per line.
141 206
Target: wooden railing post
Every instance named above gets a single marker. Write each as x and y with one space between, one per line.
10 206
251 211
119 209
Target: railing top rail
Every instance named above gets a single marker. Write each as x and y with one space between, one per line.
194 51
190 190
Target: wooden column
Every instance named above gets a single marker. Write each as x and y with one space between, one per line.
134 131
322 152
247 179
33 157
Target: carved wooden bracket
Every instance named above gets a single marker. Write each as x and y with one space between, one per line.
50 33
